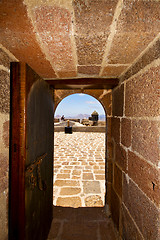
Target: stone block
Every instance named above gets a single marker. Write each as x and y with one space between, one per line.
61 183
109 171
5 59
4 92
142 96
126 132
145 175
145 139
74 202
4 163
100 177
3 216
89 70
117 180
115 207
113 71
143 211
93 201
106 100
115 129
70 191
129 229
121 157
118 101
63 175
87 176
91 187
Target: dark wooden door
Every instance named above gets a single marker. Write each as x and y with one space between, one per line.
31 155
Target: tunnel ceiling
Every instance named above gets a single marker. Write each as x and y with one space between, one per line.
79 38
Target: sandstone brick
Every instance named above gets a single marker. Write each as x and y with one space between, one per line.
90 70
87 176
76 172
66 183
142 210
121 157
4 163
91 187
113 71
116 129
109 187
74 202
107 103
63 176
117 180
70 191
118 101
115 207
4 216
145 139
126 132
129 229
6 134
145 175
5 59
4 92
109 150
93 201
100 177
142 94
109 171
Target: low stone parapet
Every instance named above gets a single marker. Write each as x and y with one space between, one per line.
82 129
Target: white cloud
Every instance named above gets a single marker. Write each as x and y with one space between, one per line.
81 94
91 102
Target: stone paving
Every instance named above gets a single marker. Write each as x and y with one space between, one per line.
79 169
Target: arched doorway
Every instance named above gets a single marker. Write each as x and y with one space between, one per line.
80 158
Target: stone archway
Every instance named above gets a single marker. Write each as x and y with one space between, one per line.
105 98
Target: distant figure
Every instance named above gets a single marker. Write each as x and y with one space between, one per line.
62 118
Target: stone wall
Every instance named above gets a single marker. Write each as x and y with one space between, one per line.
5 59
134 167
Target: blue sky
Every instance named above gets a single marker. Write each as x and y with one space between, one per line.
79 103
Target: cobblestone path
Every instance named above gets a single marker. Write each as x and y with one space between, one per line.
79 169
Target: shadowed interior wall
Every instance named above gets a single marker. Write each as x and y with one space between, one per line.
5 59
134 184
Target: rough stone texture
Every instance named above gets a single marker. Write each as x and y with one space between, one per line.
118 101
145 139
90 70
91 187
75 202
4 165
88 176
113 71
142 94
20 39
129 229
142 210
152 54
115 208
3 216
121 157
107 103
93 201
126 132
59 46
70 191
117 182
145 175
115 129
5 59
66 183
5 135
4 92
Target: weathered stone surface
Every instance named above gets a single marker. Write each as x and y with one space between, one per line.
121 157
107 103
117 181
5 59
129 229
90 70
91 187
118 101
142 210
113 71
149 56
142 94
109 171
115 207
74 202
4 165
4 92
115 129
100 177
6 134
87 176
4 216
70 191
93 201
66 183
126 132
63 176
145 139
145 175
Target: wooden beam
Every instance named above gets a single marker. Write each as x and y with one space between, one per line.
84 83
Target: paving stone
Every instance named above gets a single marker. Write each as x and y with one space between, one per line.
87 176
91 187
74 202
66 183
100 177
70 191
93 201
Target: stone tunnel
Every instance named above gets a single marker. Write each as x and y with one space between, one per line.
111 51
